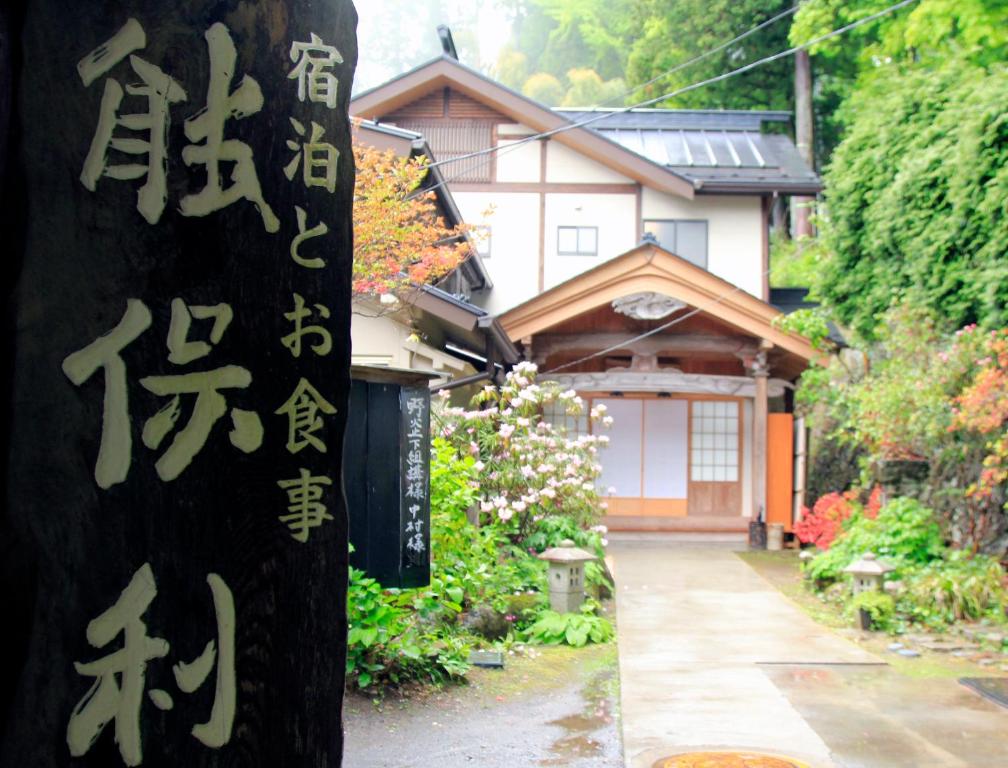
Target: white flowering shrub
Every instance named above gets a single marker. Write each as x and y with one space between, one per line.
528 471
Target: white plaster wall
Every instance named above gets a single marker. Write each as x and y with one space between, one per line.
734 232
566 166
613 214
513 129
377 340
520 163
514 244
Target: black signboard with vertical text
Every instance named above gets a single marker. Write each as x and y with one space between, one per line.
177 191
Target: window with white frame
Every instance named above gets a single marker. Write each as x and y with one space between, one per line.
683 237
577 241
714 441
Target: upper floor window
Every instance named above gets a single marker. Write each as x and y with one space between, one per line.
683 237
577 241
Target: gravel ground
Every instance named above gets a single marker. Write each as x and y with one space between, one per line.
548 707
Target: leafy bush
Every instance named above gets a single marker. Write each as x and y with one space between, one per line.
881 608
576 629
939 585
822 524
904 534
398 635
960 586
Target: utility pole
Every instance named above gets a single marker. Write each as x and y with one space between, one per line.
801 206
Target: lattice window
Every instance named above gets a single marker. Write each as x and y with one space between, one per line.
714 442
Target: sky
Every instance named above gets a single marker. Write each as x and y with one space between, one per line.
396 35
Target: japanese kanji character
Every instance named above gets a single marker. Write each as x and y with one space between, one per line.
207 126
312 61
216 732
117 691
302 409
116 446
416 543
160 92
246 434
306 234
293 340
306 509
317 156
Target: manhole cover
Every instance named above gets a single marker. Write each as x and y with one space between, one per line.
728 760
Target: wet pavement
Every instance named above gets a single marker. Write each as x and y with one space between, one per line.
557 707
875 717
713 657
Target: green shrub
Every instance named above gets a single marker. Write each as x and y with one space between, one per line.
904 534
576 629
400 635
960 586
881 608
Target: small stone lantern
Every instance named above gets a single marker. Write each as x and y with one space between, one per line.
566 576
868 573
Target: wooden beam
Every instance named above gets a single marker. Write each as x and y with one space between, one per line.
547 344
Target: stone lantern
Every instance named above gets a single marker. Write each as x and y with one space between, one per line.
566 576
868 573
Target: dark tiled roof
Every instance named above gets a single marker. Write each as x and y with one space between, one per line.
718 150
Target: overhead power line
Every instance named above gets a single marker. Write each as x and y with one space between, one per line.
685 89
503 150
713 51
675 321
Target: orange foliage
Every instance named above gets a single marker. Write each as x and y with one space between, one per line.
983 407
399 239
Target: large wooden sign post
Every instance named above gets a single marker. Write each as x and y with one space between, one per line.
177 190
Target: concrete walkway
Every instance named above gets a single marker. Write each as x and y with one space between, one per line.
695 624
713 657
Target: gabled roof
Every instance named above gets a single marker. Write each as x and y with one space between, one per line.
649 267
447 72
718 150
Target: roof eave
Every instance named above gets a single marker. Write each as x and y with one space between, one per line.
706 187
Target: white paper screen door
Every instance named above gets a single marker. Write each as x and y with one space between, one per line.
621 459
647 453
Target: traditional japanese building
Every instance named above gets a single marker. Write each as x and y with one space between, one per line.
628 256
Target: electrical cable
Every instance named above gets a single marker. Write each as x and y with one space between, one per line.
652 332
706 54
685 89
504 149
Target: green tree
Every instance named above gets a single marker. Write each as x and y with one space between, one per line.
544 88
672 31
557 36
511 68
921 34
917 197
587 89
